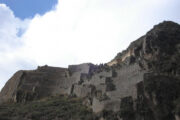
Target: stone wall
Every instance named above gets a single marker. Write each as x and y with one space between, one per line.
103 89
126 80
111 105
82 90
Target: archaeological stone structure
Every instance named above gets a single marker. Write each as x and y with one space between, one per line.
140 83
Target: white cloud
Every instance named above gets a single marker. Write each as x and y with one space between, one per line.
78 31
9 28
90 30
10 42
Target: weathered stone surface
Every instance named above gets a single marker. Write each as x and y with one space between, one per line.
11 86
100 105
83 90
177 117
44 82
158 50
29 85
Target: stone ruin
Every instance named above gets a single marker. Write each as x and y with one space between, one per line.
133 84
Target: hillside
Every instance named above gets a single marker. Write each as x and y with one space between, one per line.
52 108
140 83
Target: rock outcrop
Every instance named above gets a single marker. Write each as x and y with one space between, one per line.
43 82
30 85
140 83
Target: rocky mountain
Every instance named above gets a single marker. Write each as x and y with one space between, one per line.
140 83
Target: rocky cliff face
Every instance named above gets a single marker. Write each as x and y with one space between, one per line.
140 83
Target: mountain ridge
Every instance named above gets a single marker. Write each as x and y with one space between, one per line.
140 83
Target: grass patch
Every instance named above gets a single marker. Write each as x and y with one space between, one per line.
59 107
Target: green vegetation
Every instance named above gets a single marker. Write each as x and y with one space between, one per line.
177 104
126 109
114 73
109 115
164 92
53 108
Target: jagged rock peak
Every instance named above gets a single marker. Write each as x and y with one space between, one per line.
167 25
160 47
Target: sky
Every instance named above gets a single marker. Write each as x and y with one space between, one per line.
64 32
28 8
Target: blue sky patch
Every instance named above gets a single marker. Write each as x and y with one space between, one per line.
28 8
